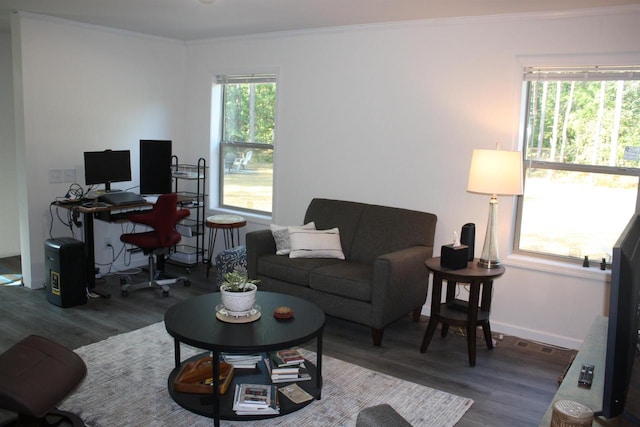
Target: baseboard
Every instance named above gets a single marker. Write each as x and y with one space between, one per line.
529 334
536 336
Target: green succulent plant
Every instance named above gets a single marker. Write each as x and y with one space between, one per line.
237 280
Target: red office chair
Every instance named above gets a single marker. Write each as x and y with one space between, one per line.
163 219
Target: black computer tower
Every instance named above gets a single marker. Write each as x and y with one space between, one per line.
65 271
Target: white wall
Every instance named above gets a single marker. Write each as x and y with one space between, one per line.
390 114
9 243
88 88
383 114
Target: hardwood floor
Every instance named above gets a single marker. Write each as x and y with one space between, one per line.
512 385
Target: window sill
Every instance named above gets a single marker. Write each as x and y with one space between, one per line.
557 267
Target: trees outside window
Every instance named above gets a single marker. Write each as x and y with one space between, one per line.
247 142
581 160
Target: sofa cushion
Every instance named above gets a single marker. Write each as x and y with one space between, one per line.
344 215
383 230
315 243
346 279
281 236
291 270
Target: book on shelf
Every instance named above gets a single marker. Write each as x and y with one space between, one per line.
274 366
286 357
297 373
256 399
303 375
241 361
255 394
295 393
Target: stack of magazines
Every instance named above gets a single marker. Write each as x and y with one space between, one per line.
256 399
241 361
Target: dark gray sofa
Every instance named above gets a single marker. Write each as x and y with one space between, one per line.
382 278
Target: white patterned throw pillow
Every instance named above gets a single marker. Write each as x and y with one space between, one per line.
281 236
315 243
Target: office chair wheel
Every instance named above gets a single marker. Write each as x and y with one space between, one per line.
187 283
165 294
124 293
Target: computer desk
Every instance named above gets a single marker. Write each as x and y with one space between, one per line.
102 212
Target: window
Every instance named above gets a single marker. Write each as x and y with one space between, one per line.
247 141
581 151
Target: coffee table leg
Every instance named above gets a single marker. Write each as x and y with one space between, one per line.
216 387
176 351
319 365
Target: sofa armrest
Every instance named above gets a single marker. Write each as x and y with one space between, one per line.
259 243
400 283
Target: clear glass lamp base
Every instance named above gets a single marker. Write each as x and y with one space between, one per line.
489 257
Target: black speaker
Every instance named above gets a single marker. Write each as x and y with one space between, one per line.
65 272
468 237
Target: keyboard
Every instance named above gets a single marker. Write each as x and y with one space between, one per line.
121 198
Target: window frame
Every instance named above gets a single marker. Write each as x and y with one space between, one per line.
253 78
565 73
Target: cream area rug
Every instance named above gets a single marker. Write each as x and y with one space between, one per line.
126 385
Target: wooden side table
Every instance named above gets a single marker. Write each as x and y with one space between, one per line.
226 223
469 316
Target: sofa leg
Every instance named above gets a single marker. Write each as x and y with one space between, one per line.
416 314
377 336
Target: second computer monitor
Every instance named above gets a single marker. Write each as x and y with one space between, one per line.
155 167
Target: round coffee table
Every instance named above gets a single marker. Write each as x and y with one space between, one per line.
194 322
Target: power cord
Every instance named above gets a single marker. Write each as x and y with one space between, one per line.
67 223
75 192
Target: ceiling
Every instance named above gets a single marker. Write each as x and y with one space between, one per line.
194 19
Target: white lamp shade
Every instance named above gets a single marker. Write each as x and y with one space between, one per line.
496 172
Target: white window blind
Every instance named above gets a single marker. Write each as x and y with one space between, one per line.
596 73
245 78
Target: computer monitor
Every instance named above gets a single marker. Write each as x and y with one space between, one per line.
105 167
155 167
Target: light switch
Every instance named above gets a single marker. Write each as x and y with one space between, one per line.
55 176
69 175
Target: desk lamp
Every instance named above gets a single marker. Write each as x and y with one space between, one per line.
494 172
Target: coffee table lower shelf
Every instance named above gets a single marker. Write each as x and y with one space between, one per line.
203 404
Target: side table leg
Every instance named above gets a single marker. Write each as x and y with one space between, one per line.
213 233
445 330
471 344
431 329
485 305
487 335
474 297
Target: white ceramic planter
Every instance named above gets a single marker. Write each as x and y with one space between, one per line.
239 303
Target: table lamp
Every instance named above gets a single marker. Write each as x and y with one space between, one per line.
494 172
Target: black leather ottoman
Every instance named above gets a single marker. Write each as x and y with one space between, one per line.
35 375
